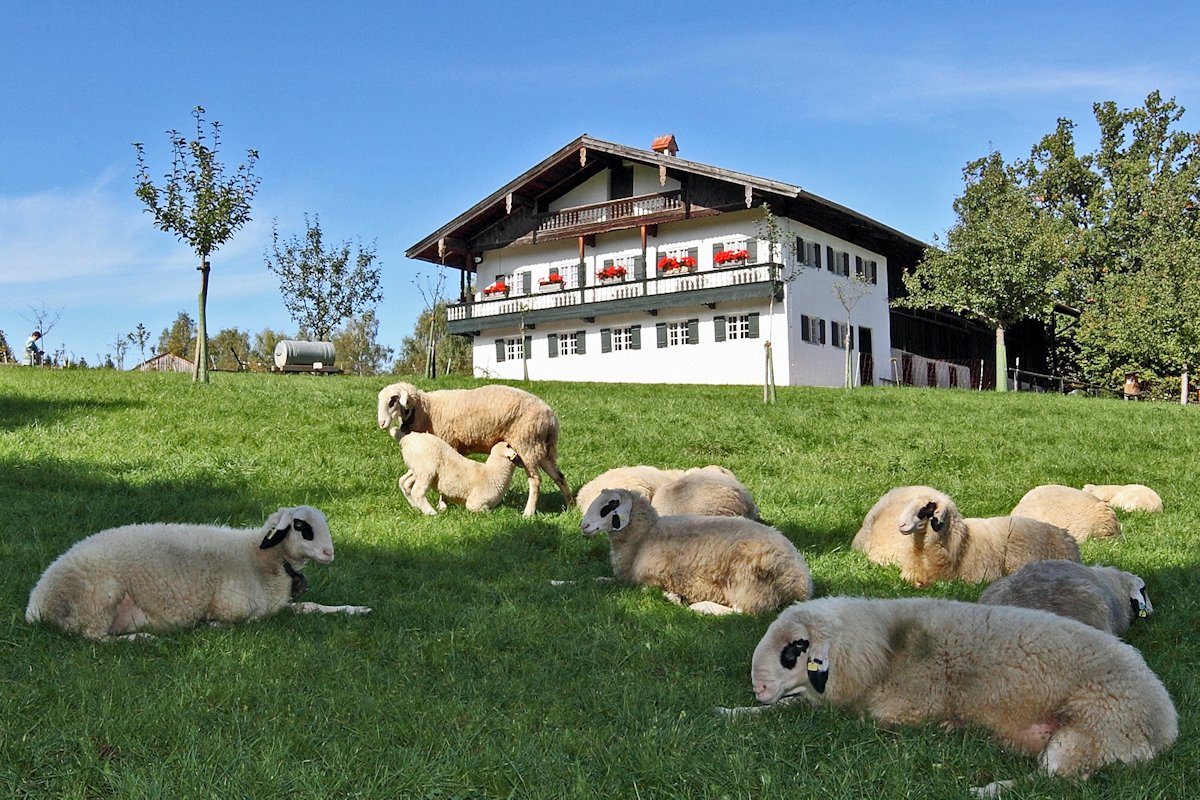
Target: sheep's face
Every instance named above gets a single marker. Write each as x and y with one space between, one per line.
302 532
1139 601
924 510
609 512
505 450
791 660
398 409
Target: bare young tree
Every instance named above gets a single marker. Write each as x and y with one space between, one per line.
848 294
141 337
43 318
119 347
432 289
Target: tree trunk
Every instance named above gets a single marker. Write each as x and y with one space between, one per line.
847 380
1001 361
1183 388
200 370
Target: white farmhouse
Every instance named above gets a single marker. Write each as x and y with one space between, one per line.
610 263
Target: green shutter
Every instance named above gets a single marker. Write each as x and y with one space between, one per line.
528 347
858 266
718 329
581 274
752 326
805 330
606 340
752 251
816 252
580 340
526 282
694 252
821 325
801 254
693 329
874 272
639 268
635 337
552 341
717 248
829 259
499 350
661 331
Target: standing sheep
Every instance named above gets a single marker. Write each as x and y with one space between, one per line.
1046 686
1105 598
1128 497
474 420
1082 515
163 577
642 479
710 491
945 546
716 565
434 464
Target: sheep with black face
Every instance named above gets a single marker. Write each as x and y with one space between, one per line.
643 479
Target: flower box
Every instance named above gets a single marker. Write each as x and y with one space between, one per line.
669 265
613 274
730 258
550 286
496 290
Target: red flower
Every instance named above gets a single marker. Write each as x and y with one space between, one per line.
687 261
554 278
729 256
667 263
499 287
612 271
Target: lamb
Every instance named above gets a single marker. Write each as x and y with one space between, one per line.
945 546
474 420
715 565
710 491
1103 597
161 577
641 479
433 463
1046 686
1084 516
1128 497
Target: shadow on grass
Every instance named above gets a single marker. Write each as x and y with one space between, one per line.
20 412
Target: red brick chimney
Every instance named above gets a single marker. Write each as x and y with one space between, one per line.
665 144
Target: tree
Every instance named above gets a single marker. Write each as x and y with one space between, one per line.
262 352
431 288
6 353
140 336
848 294
119 347
43 318
454 352
180 338
200 204
230 349
778 238
1003 257
357 351
322 288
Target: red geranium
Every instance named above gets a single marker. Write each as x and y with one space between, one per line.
499 287
730 256
555 278
687 262
613 271
666 264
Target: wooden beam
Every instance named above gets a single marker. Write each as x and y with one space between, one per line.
449 244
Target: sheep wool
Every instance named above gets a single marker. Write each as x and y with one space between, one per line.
715 565
1128 497
434 464
1082 515
1046 686
1108 599
711 491
642 479
475 420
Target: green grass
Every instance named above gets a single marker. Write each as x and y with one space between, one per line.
476 678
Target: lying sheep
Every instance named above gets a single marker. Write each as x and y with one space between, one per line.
1103 597
642 479
1046 686
716 565
880 537
1128 497
474 420
163 577
434 464
1082 515
945 546
710 491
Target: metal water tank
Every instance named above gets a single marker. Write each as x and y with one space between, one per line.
296 353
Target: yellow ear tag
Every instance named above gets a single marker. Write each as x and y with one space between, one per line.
1142 612
814 667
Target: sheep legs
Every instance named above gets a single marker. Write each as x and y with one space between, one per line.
703 607
535 485
556 475
415 488
317 608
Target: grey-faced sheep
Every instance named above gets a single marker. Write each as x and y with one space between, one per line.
1108 599
1082 515
642 479
474 420
163 577
1128 497
715 565
434 464
945 546
1046 686
711 491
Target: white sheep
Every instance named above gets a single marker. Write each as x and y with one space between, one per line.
474 420
434 464
946 546
1046 686
160 577
715 565
1082 515
642 479
1128 497
1108 599
711 491
880 537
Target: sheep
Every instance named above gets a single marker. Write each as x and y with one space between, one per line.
1046 686
1082 515
715 565
641 479
945 546
1103 597
433 463
710 491
474 420
161 577
1128 497
880 537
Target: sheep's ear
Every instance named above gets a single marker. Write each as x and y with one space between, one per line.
818 666
279 525
398 400
791 652
1139 602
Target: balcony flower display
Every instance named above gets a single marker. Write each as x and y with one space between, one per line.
555 278
612 273
730 258
498 288
670 264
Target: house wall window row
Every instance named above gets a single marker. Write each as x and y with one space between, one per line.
514 349
613 339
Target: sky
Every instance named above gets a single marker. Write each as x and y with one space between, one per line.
389 119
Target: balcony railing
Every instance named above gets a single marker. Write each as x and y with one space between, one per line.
626 208
649 287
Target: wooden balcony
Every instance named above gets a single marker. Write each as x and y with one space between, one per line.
611 215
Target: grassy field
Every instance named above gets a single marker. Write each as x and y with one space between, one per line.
474 677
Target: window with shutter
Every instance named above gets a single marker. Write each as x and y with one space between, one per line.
858 266
552 344
580 342
805 328
635 337
528 347
693 331
639 268
874 272
660 331
821 326
499 350
719 329
606 340
829 261
752 326
802 252
527 282
752 251
816 255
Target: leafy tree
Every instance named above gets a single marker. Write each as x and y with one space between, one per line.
6 353
200 204
139 336
1003 259
230 349
262 352
357 351
180 338
453 353
322 288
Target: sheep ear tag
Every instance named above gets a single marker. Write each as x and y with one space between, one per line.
818 667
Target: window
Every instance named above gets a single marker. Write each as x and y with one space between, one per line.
808 253
735 326
513 349
623 339
620 338
838 331
812 329
568 344
676 333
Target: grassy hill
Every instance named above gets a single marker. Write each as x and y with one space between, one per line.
474 677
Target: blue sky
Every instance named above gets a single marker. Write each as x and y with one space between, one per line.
390 119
